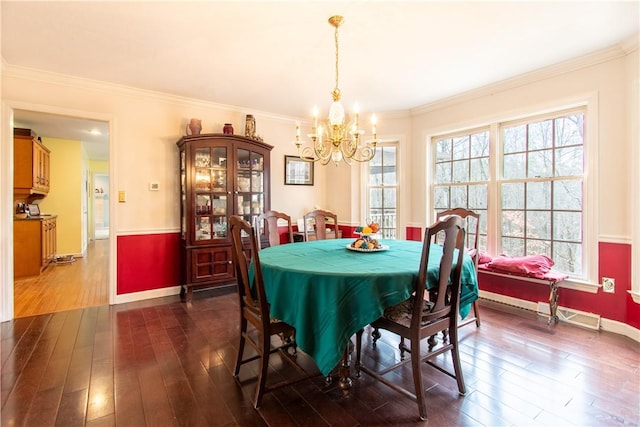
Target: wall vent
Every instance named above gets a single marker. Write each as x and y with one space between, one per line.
569 315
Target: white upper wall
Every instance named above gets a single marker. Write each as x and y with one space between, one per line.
608 77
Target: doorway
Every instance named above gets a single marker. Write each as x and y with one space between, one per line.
87 279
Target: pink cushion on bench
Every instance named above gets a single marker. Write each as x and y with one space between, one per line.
537 266
484 258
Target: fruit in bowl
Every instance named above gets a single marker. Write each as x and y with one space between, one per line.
364 243
364 230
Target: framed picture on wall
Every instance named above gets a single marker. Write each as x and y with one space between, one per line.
297 171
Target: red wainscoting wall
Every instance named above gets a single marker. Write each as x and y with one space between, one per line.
148 261
615 262
151 261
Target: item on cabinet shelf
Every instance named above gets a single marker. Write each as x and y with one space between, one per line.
256 183
250 126
194 127
243 184
203 160
219 206
227 129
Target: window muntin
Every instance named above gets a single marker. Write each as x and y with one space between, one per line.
382 196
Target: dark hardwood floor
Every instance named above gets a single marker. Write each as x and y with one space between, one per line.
161 363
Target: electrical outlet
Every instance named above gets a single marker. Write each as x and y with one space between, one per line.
608 284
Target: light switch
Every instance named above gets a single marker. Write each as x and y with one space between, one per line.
122 196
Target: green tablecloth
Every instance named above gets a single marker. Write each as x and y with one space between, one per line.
328 292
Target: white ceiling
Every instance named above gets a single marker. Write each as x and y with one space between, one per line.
279 57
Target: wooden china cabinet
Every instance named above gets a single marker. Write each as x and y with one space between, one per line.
220 175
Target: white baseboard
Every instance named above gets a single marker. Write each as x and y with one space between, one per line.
516 302
620 328
142 295
605 324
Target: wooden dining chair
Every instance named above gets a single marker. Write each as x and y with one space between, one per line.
472 228
319 217
266 224
254 311
416 318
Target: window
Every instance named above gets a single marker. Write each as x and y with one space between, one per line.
541 189
462 177
382 200
535 168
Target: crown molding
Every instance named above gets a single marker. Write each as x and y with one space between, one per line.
111 88
617 51
631 44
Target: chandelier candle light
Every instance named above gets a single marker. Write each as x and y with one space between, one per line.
337 140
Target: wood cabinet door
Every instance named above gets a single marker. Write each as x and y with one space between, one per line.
211 264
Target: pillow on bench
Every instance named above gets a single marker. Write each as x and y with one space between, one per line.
531 265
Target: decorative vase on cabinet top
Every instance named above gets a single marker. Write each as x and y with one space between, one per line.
250 126
194 127
227 129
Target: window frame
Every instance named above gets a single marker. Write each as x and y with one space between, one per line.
501 180
589 281
366 184
483 227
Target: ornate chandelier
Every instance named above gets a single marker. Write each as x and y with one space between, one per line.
337 139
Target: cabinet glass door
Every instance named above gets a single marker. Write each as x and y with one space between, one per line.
250 184
211 198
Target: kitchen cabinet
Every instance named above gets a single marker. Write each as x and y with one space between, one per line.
35 245
220 175
31 165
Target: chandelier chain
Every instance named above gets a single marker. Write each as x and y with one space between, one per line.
337 58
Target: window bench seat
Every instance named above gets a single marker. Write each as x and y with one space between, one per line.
550 278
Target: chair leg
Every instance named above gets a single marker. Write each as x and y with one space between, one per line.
455 356
358 351
432 341
417 378
376 335
264 365
476 311
402 347
290 339
243 331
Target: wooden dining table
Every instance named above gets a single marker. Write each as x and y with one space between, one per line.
329 292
